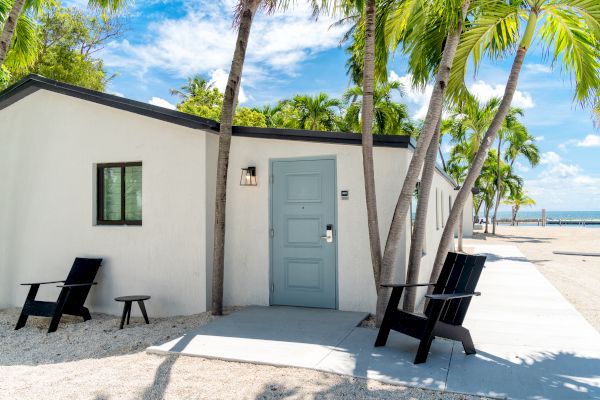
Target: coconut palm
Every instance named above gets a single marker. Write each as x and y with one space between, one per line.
18 32
520 143
569 30
196 86
316 112
390 118
244 15
516 200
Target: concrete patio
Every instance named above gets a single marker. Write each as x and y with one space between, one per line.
532 343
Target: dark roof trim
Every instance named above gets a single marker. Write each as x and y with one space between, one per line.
32 83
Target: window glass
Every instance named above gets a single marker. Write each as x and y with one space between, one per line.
133 193
112 194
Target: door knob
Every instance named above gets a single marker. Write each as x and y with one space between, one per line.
328 234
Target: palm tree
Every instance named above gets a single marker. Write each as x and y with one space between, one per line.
18 30
390 118
316 112
516 200
520 142
196 86
569 29
430 32
244 15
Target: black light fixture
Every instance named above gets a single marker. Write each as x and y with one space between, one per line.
248 177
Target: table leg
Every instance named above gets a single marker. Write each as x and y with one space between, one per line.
124 314
143 308
128 311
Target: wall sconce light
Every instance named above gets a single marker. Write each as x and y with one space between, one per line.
248 177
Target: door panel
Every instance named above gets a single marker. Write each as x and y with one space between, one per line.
303 264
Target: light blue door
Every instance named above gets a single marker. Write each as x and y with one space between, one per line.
303 249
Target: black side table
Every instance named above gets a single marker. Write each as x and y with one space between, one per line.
127 307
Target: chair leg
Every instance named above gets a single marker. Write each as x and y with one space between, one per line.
143 309
467 343
33 289
85 314
427 338
58 311
388 317
22 321
128 312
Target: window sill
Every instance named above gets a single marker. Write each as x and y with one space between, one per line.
118 223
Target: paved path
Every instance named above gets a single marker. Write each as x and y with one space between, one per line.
532 344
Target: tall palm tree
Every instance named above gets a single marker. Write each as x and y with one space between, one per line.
515 133
390 118
429 31
516 200
196 86
568 29
316 112
244 15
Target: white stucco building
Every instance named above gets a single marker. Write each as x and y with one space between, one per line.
57 141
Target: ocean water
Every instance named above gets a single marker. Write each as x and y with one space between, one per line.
586 216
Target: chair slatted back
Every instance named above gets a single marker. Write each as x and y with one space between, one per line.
84 270
459 274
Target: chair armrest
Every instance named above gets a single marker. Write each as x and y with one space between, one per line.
40 283
393 285
451 296
78 285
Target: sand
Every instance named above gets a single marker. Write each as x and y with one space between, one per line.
576 277
96 360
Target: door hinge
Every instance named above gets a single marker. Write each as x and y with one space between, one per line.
272 232
272 179
272 287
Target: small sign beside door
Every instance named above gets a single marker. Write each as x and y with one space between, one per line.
345 194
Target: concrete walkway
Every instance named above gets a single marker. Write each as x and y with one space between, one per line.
532 344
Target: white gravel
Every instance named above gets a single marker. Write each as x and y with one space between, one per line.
96 360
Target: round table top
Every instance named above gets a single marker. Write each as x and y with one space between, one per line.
137 297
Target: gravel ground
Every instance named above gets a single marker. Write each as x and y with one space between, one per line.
96 360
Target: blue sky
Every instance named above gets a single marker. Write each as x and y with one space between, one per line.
290 53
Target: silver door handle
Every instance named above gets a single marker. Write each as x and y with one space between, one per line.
328 234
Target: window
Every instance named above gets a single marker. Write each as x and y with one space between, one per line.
437 210
442 208
120 194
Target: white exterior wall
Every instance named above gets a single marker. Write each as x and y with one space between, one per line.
247 240
468 218
47 208
49 145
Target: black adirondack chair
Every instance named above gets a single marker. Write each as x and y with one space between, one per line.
74 291
446 309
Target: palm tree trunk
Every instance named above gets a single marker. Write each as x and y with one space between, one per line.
460 232
367 140
488 140
9 28
442 157
398 224
229 103
498 188
487 218
420 225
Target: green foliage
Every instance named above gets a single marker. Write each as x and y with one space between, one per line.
68 39
25 42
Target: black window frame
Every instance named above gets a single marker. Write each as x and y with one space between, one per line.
100 193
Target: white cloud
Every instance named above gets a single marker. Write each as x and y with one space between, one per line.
539 138
484 92
589 141
561 185
157 101
419 98
116 93
538 68
203 41
218 79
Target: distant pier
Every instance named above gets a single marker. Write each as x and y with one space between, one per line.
538 221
